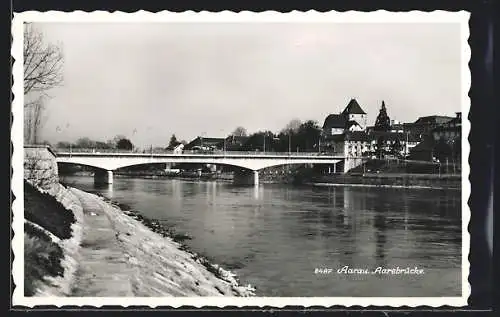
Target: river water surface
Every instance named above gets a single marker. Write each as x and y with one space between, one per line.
274 237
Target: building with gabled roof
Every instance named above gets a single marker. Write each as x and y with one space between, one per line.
233 142
424 125
361 143
334 124
353 112
449 130
204 143
352 118
433 120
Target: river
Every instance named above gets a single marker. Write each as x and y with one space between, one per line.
274 237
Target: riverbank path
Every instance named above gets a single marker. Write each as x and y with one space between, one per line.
103 270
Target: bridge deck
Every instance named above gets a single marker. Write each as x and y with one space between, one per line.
252 161
205 155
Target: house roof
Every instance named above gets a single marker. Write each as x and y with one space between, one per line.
433 120
353 107
211 140
237 139
204 141
233 142
334 121
340 121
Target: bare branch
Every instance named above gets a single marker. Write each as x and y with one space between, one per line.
42 62
239 131
292 126
42 71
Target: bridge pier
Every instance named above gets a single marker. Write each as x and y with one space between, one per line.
103 177
256 178
246 177
352 162
334 168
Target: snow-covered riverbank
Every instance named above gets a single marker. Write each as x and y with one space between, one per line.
110 252
120 256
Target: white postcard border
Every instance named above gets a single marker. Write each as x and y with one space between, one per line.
380 16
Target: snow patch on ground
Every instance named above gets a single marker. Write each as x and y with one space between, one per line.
61 286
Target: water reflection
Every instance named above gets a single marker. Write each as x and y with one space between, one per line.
406 213
177 188
256 192
105 189
380 226
274 236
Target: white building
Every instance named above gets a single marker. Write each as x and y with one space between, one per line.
178 149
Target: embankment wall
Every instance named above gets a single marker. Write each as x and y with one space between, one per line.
40 170
403 180
40 166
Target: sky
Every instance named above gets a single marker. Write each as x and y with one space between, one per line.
149 81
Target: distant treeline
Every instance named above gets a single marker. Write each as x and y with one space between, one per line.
118 142
295 136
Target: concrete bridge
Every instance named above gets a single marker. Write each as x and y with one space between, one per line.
247 164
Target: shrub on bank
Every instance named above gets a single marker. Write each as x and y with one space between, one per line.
45 211
42 258
47 228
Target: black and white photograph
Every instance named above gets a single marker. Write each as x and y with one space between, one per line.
241 159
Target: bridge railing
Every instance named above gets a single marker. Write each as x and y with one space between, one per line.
96 150
190 152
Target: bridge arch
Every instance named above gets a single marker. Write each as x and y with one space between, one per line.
114 167
241 162
249 164
68 164
101 175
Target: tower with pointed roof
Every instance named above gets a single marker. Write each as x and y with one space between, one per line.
354 113
352 118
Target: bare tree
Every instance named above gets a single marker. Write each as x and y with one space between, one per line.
34 120
42 71
239 131
85 143
293 126
42 62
